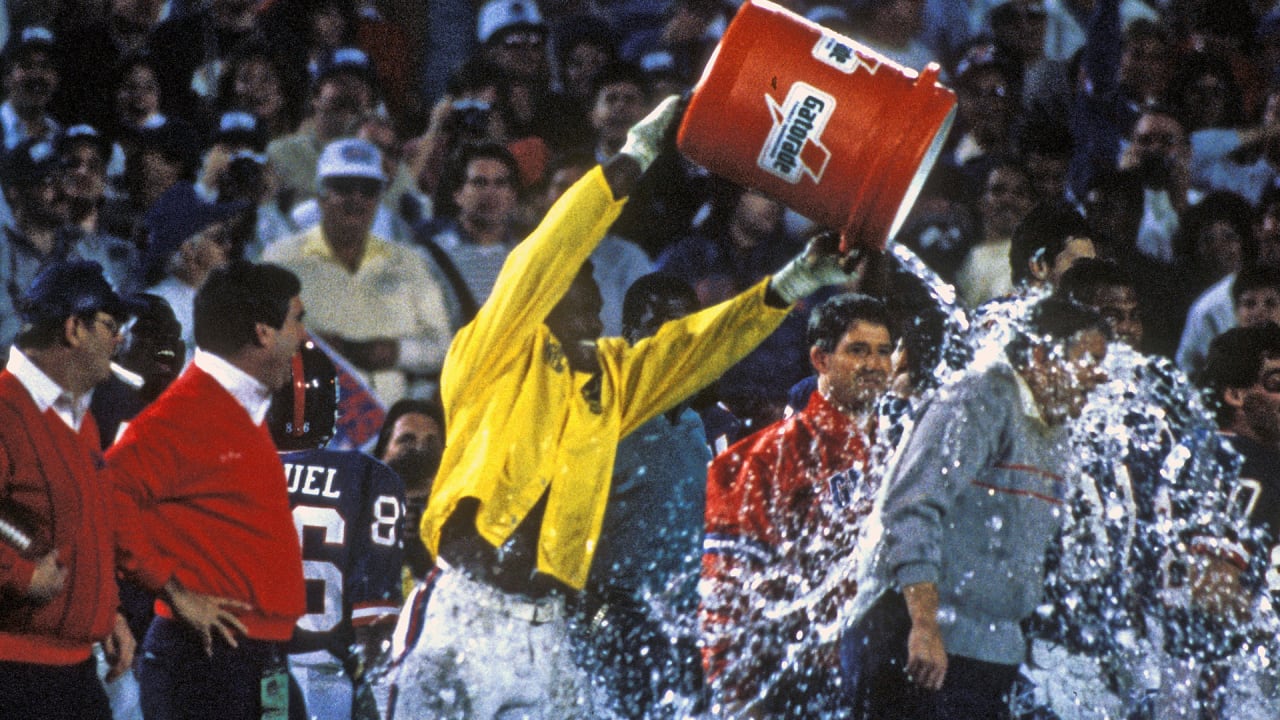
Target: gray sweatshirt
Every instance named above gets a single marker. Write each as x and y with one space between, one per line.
970 504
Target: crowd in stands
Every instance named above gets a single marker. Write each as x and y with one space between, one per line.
392 154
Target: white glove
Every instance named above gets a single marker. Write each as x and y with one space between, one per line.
644 139
818 266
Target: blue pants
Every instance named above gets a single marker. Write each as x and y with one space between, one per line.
873 658
52 692
179 682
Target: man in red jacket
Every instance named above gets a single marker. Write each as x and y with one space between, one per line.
215 537
783 508
57 561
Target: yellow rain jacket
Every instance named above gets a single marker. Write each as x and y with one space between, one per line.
517 418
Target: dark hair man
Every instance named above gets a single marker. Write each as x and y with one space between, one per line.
971 505
214 535
783 508
1106 287
410 443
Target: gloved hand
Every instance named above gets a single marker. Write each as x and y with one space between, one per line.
820 264
645 138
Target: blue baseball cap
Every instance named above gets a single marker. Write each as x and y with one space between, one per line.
72 287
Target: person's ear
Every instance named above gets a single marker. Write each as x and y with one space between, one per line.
1234 397
263 334
73 329
818 358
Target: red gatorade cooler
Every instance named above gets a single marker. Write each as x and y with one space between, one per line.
832 129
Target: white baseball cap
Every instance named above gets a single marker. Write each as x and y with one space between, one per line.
498 15
351 157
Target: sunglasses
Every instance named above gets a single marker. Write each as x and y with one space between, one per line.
346 186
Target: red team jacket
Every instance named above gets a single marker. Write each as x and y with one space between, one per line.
214 511
780 507
55 476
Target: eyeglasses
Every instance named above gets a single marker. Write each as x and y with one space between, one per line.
1271 382
346 185
108 322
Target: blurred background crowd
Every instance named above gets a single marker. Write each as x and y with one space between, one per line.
163 138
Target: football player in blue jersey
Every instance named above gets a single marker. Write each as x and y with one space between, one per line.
348 508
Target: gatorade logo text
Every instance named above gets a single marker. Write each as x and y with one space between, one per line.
794 146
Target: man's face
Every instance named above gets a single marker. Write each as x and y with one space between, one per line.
84 174
348 204
413 432
383 138
575 321
138 96
1258 306
1159 143
580 68
618 106
340 102
521 51
38 204
414 451
32 80
1219 249
1118 304
1006 200
1260 404
155 349
99 342
487 198
857 371
1062 378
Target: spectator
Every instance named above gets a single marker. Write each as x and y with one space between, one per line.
740 242
1244 160
1256 296
619 99
402 205
31 76
1159 157
83 154
534 346
1242 378
137 95
941 547
1213 312
635 636
410 443
894 29
213 239
342 94
94 48
1104 286
60 590
213 533
1006 200
478 203
475 111
1049 240
986 113
348 509
375 302
30 176
258 80
784 508
191 51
